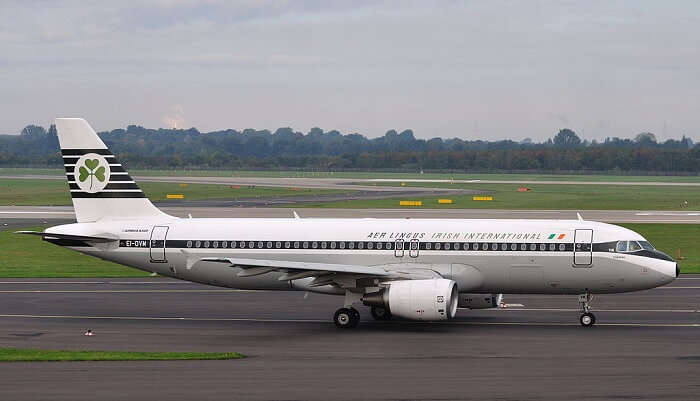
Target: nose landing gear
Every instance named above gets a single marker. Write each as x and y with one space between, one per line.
587 318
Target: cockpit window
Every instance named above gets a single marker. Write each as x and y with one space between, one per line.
646 245
621 246
633 246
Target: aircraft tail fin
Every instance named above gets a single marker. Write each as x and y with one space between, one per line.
99 185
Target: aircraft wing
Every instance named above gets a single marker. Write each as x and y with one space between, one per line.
343 275
273 265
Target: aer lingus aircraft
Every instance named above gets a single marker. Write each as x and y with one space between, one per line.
420 269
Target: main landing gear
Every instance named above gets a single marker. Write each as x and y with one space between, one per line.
346 318
587 318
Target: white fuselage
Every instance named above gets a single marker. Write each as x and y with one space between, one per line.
481 256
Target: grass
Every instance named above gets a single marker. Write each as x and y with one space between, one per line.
55 192
25 256
28 256
370 175
39 355
546 196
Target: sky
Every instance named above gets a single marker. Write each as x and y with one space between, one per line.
487 69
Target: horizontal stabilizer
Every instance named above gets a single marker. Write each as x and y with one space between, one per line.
87 238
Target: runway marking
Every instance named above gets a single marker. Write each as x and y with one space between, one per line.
602 310
4 212
121 291
97 282
233 319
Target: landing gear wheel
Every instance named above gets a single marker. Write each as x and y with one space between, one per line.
587 319
379 313
346 318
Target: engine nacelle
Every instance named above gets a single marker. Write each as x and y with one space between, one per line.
480 301
433 299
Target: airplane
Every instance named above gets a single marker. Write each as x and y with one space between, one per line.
414 269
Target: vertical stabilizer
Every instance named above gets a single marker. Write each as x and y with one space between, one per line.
99 185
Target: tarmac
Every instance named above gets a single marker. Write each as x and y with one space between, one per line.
644 346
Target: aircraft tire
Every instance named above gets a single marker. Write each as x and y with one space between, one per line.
587 319
346 318
379 313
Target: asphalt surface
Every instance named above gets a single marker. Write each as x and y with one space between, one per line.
10 214
644 346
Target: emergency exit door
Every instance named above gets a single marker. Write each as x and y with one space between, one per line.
157 245
583 248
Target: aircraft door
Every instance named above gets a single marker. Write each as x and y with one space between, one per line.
583 248
157 245
413 248
398 248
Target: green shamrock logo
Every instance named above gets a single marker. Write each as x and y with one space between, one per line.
91 170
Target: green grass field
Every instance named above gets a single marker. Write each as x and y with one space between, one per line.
547 196
41 355
370 175
55 192
29 256
25 256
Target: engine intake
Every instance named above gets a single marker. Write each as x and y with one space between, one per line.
434 299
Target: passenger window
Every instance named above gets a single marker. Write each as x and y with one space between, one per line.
324 245
206 244
260 245
189 244
523 247
278 245
552 247
427 245
287 244
305 245
351 245
215 244
314 244
504 247
224 244
494 247
379 245
562 247
437 245
296 245
342 244
533 247
370 245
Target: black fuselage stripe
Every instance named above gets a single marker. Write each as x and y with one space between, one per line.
108 195
358 245
80 152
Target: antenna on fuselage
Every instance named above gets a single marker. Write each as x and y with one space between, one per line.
296 216
579 216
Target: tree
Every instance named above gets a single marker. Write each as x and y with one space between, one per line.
566 139
645 139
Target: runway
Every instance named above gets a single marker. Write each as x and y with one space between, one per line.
644 346
8 214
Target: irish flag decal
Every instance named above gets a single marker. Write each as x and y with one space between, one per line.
557 236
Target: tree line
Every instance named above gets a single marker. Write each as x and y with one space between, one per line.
139 147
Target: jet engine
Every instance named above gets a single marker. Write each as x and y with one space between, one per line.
433 299
480 301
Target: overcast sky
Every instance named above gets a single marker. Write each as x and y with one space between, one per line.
472 69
